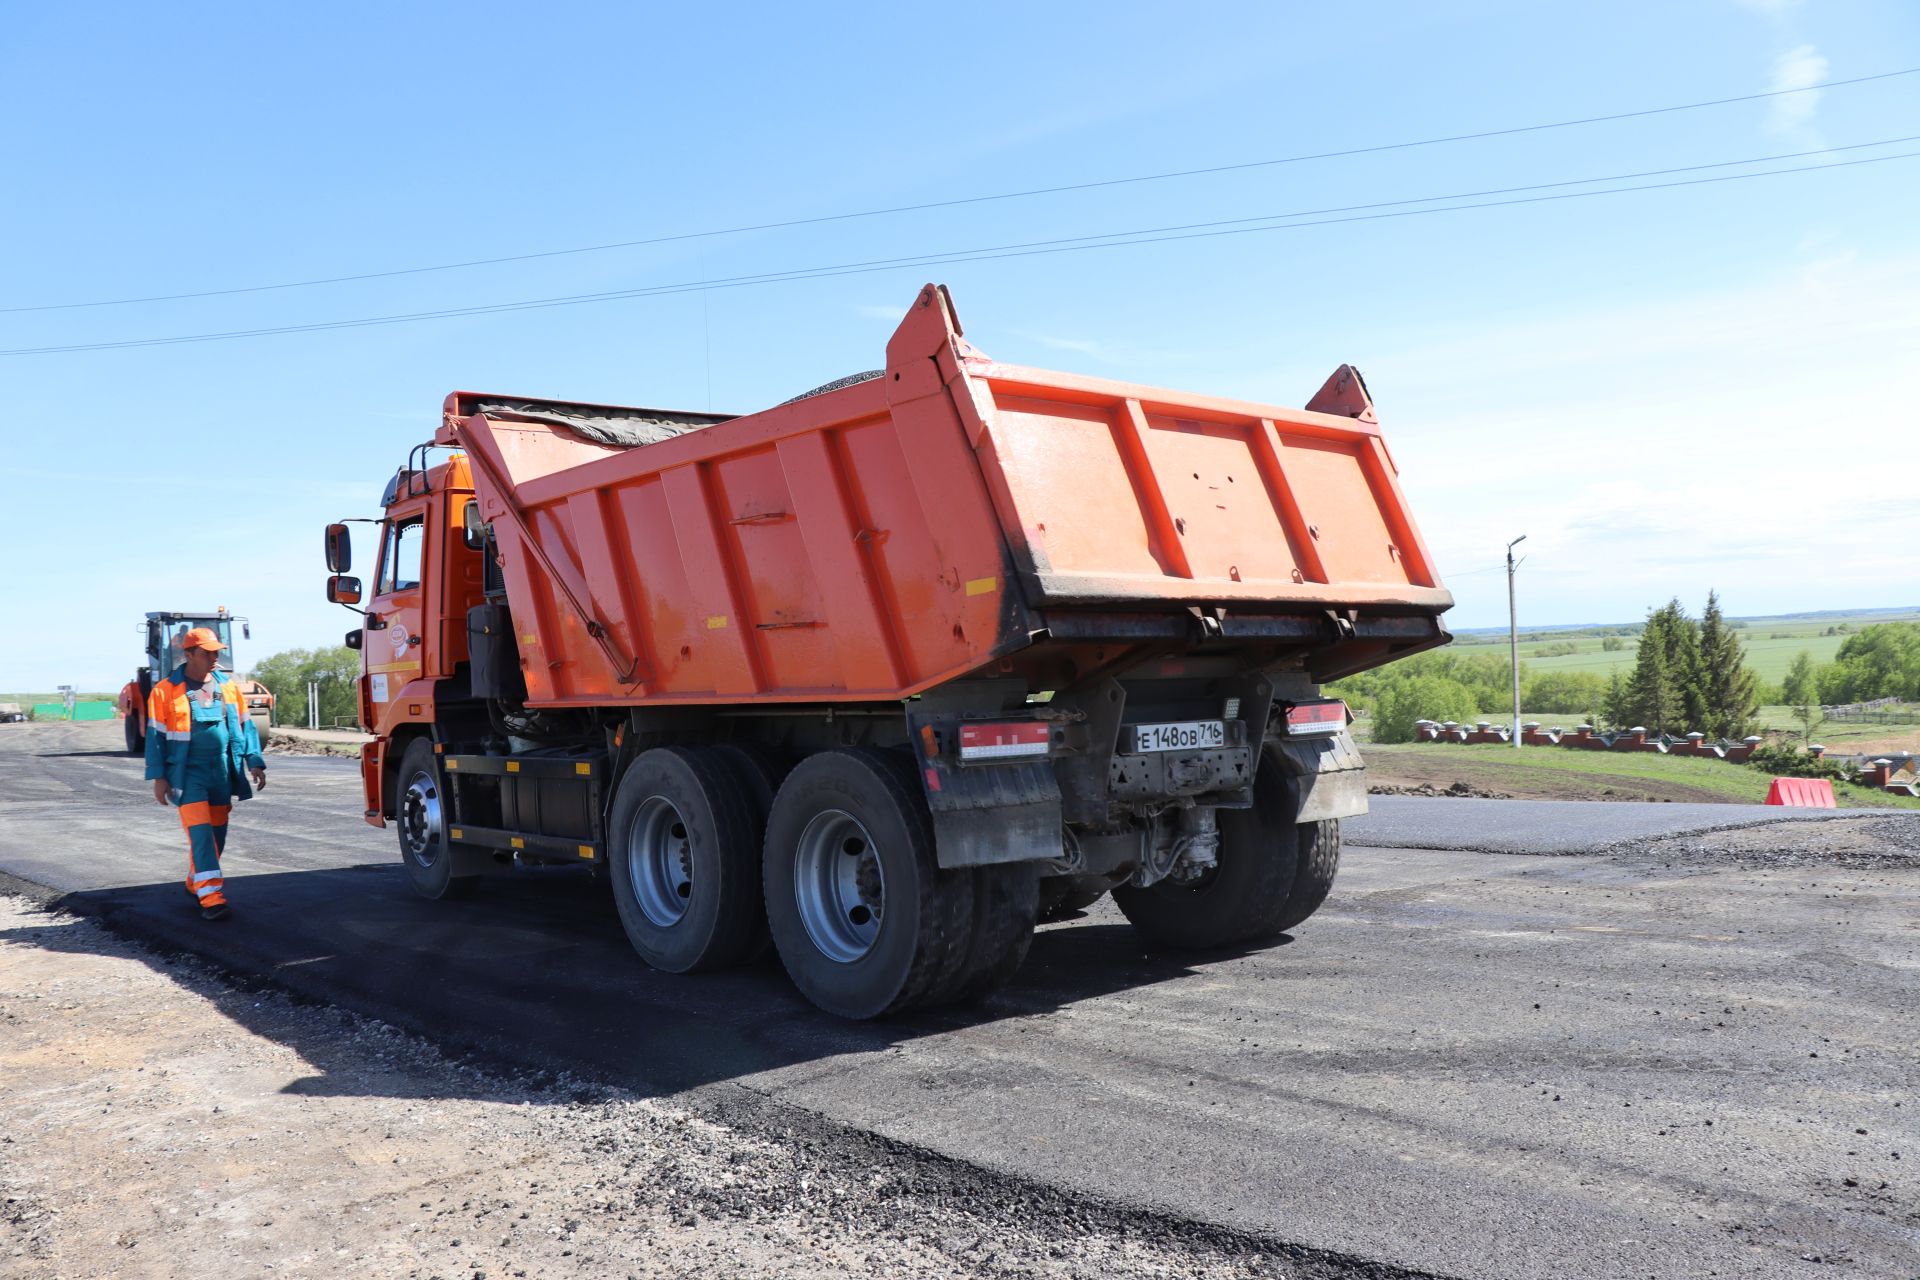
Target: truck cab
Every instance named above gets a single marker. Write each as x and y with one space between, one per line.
427 574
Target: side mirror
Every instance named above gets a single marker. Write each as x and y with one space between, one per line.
339 549
472 528
342 590
246 630
353 639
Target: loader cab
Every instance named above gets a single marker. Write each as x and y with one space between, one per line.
166 633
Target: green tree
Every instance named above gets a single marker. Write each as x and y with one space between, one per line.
1568 692
1616 705
1420 697
1484 674
1801 690
1879 661
1730 690
288 673
1668 694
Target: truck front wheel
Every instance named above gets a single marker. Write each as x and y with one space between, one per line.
421 821
683 860
864 919
1273 873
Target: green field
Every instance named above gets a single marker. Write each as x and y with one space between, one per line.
1770 644
1560 772
25 698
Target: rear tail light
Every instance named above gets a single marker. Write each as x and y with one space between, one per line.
1019 740
1316 719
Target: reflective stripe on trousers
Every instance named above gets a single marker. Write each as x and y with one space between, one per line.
206 828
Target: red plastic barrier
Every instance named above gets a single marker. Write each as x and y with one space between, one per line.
1803 793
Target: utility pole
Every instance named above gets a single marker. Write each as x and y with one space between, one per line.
1513 638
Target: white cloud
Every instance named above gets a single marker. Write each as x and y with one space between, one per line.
1797 68
1080 346
1748 439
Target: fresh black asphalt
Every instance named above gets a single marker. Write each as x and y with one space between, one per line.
1461 1066
1551 826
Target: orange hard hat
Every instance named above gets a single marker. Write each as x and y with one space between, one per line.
202 638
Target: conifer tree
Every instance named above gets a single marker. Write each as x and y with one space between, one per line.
1666 690
1731 689
1616 708
1655 701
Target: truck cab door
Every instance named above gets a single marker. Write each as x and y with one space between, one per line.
393 643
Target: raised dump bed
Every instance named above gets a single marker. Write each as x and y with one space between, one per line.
879 539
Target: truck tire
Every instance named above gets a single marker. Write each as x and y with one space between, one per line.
1006 905
761 770
684 861
421 822
136 741
864 919
1319 846
1249 895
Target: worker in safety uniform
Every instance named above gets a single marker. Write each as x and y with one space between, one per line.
201 744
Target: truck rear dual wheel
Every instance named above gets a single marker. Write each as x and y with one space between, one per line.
865 920
421 822
760 770
1273 873
683 855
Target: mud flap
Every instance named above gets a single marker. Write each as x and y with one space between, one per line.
1326 773
995 813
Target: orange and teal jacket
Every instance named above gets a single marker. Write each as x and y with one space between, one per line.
170 727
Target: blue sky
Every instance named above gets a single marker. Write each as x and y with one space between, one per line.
1712 386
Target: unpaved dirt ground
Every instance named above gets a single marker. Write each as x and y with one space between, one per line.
313 742
1435 773
148 1133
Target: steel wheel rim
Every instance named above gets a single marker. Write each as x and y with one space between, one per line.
839 886
420 820
660 862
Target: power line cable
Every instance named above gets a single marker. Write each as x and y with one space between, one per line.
1458 195
962 200
1029 249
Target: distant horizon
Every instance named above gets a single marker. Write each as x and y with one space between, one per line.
1898 612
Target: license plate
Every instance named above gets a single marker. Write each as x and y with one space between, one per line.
1184 735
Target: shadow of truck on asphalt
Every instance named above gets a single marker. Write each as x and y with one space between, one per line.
534 972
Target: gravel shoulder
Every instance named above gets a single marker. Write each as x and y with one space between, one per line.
163 1121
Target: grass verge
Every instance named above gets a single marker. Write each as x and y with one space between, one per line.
1560 773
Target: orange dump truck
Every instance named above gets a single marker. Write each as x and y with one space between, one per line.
885 673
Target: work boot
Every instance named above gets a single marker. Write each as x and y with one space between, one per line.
214 907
